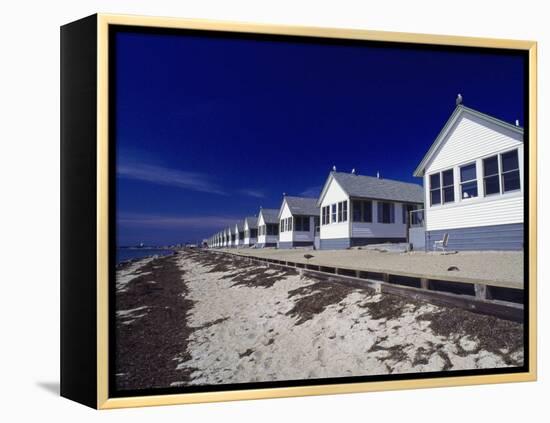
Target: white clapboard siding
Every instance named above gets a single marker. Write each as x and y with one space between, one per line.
469 139
334 194
500 210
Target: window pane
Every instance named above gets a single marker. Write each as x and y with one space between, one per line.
492 185
510 161
356 206
449 194
468 172
305 224
490 166
434 181
469 189
367 211
448 177
333 213
345 212
435 197
385 211
510 181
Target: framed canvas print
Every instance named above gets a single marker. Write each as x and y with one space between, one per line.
257 211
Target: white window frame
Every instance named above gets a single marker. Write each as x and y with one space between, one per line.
476 180
502 172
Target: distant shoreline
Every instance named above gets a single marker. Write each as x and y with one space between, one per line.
126 256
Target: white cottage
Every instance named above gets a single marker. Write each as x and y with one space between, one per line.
227 235
239 234
473 179
250 231
359 210
268 228
234 236
298 220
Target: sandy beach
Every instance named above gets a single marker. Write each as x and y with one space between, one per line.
201 318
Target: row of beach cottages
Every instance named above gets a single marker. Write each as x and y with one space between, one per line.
472 191
352 210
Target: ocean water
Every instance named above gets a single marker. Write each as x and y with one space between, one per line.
125 254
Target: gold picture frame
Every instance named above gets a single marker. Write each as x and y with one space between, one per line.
102 398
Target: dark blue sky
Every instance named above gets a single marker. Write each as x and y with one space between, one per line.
210 129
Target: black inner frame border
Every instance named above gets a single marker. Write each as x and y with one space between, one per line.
113 392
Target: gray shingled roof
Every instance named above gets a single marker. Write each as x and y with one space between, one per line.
379 188
302 206
270 215
252 222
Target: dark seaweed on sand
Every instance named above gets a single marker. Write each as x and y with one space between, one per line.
146 347
315 298
498 336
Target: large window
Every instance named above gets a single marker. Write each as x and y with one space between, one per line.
442 188
510 171
345 212
448 186
333 220
435 189
325 214
468 181
361 210
286 224
272 229
301 223
491 183
342 211
356 211
386 212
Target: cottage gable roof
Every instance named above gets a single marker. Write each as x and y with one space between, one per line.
252 222
270 215
303 206
363 186
239 225
460 111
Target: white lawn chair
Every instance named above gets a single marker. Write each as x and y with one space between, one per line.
442 244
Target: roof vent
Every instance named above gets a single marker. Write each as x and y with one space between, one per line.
378 175
459 99
517 122
334 168
353 171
